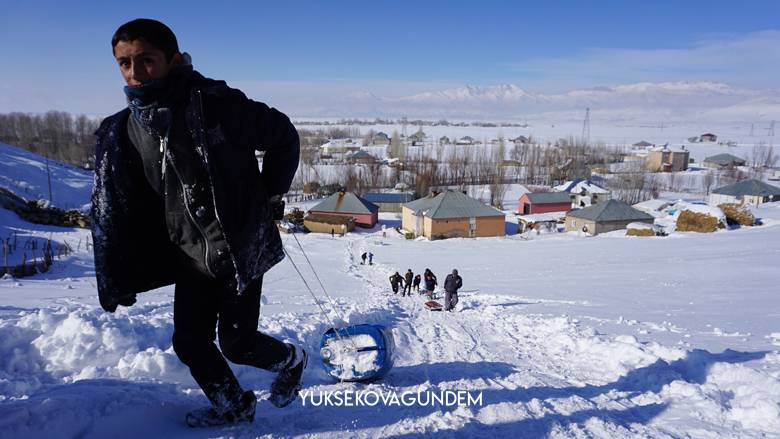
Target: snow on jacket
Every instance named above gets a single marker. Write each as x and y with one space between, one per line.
133 253
452 283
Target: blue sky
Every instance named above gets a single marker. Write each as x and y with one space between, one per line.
57 54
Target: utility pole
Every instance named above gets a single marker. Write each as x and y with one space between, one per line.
751 129
586 127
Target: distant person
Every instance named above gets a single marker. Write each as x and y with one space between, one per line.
416 283
396 281
332 233
408 278
452 284
430 282
363 258
370 258
179 199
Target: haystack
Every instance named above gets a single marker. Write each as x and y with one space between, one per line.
738 214
640 229
690 221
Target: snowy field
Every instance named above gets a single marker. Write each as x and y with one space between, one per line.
562 335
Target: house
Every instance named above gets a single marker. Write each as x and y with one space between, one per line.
316 223
708 137
389 201
583 192
338 148
452 214
605 217
361 157
520 140
348 205
641 144
466 140
723 161
417 138
745 192
380 138
543 202
664 159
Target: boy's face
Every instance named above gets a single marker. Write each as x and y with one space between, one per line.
140 61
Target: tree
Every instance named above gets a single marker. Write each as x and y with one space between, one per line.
395 147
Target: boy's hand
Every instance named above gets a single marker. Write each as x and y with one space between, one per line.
277 207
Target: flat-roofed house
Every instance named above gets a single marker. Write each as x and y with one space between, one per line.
543 202
389 201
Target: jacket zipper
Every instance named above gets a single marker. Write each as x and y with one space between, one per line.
203 146
187 206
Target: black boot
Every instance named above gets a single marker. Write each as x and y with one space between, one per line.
287 384
242 410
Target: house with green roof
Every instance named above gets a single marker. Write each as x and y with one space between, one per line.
348 205
605 217
745 192
452 214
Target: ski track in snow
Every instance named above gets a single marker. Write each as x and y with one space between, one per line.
70 370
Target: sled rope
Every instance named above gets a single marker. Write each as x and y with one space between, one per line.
316 300
332 303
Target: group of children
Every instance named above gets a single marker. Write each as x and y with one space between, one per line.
409 282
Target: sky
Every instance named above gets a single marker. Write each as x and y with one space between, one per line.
57 54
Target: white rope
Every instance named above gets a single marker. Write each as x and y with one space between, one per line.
316 300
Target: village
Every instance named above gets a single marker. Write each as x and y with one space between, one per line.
438 188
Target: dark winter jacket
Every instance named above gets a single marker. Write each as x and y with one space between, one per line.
430 281
452 283
217 131
416 280
396 280
408 277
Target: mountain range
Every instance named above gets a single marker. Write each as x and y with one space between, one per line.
684 100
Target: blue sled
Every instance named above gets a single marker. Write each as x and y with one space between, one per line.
372 360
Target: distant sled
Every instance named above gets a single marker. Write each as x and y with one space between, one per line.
433 305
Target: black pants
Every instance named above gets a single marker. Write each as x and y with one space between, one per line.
200 305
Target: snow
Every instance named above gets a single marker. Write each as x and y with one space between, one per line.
562 335
24 173
548 216
347 361
639 226
579 187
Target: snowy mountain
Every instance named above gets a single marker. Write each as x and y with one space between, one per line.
682 100
496 93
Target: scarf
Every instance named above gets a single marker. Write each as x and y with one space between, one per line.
152 102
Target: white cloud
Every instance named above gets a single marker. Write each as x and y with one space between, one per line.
748 60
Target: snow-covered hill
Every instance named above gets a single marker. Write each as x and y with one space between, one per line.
562 336
25 174
557 335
